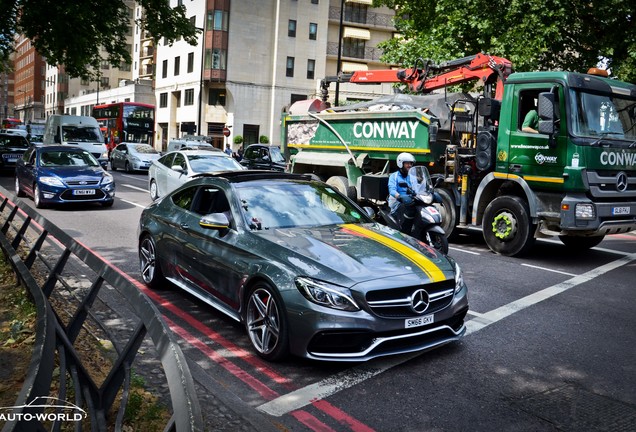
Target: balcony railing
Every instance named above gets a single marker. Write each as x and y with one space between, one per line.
370 54
373 19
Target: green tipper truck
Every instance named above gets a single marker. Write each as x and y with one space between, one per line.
573 177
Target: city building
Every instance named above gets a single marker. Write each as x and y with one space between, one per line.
29 79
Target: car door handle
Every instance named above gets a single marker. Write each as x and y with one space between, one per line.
184 226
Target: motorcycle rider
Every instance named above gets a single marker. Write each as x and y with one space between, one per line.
399 200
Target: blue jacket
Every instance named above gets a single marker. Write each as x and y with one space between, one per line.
394 188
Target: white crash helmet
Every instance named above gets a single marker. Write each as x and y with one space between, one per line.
404 157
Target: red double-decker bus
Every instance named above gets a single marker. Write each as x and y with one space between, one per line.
126 122
10 123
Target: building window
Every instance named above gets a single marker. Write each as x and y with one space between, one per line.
215 58
290 67
177 65
355 12
105 65
189 97
297 97
125 67
313 30
314 1
311 67
353 48
291 28
217 20
216 97
163 100
104 82
190 62
164 70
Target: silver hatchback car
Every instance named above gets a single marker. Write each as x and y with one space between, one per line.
175 168
133 157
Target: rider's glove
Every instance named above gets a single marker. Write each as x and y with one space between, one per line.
400 198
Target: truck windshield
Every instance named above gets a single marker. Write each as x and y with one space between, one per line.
602 115
82 134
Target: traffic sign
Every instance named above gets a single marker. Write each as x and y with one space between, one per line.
226 132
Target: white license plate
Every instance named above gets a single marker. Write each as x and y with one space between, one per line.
84 192
418 322
11 157
620 210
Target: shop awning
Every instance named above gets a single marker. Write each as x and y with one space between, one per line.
356 33
366 2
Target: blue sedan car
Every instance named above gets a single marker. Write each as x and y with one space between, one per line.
63 174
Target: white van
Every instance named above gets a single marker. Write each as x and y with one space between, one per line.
80 131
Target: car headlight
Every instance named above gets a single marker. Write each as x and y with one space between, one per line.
326 294
459 278
104 155
107 179
135 159
427 198
51 181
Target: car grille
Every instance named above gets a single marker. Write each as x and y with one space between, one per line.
83 183
396 302
67 195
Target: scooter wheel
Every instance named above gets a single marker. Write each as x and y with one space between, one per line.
438 241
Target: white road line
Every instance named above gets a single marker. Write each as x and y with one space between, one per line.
133 203
134 187
548 269
345 379
473 313
464 250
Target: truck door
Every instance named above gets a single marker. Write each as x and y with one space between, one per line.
532 155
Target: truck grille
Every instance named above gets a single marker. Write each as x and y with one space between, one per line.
396 303
604 184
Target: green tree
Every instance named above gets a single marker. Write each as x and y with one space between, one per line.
534 34
73 32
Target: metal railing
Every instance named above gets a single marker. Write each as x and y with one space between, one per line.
74 291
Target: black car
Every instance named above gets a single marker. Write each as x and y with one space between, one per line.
12 147
263 157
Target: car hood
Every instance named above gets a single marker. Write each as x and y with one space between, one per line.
73 173
352 253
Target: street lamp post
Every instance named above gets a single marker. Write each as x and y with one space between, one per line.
339 61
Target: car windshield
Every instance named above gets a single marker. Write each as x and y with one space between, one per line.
207 163
269 205
13 141
144 148
66 158
81 133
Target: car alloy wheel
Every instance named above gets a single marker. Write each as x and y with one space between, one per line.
150 270
154 193
266 323
18 189
37 197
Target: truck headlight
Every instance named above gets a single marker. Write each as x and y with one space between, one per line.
585 211
326 294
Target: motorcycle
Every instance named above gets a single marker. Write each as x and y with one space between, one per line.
427 220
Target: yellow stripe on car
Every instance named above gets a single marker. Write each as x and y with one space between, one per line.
427 266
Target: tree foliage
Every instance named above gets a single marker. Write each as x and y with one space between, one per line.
534 34
80 34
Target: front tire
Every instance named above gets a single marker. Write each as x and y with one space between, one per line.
154 192
507 227
266 323
127 167
149 265
37 197
580 243
437 240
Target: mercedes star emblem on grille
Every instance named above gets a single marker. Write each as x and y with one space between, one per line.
621 181
419 301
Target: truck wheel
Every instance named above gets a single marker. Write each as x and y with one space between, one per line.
342 185
507 227
449 213
580 243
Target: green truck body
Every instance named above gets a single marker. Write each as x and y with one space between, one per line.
576 179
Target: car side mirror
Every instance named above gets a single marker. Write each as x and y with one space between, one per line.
369 211
177 168
547 124
217 221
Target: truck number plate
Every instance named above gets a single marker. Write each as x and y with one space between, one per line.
84 192
620 210
418 322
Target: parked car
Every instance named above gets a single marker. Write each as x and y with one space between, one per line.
133 157
63 174
263 156
12 147
175 168
304 268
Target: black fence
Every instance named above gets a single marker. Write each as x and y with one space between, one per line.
95 331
